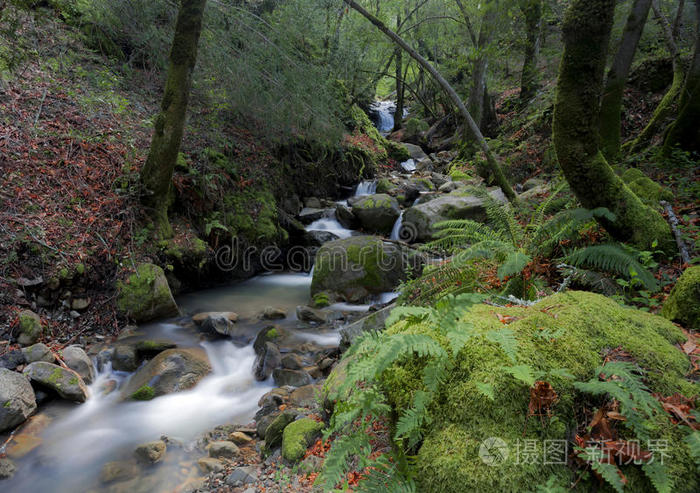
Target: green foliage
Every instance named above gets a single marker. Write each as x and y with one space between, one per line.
618 259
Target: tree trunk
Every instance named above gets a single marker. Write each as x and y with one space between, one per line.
157 173
685 131
398 60
475 103
586 33
491 160
611 105
532 10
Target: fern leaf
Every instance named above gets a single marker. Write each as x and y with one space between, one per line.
412 312
613 258
410 423
658 475
524 373
611 475
487 390
335 466
693 443
514 264
505 338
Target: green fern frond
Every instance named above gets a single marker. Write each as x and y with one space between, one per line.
505 338
524 373
658 475
487 390
513 264
407 312
613 258
384 476
610 473
539 214
693 443
413 419
502 217
335 466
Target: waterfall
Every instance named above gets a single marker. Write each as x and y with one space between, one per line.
396 231
384 111
366 188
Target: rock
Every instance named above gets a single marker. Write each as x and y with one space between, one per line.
209 464
312 202
423 216
242 475
294 378
80 303
346 217
200 318
292 361
219 323
118 471
17 399
223 448
423 184
450 186
306 397
311 214
439 179
355 267
377 213
372 322
534 195
66 383
308 314
151 452
124 358
30 328
318 238
271 333
76 359
240 438
272 313
268 359
145 295
170 371
7 468
297 437
38 352
415 151
274 431
12 359
148 348
533 183
683 304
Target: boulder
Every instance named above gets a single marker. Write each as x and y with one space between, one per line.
242 475
274 431
450 186
416 152
293 378
30 328
7 468
423 216
533 183
439 179
151 452
683 304
77 360
12 359
17 400
124 358
372 322
423 184
145 295
64 382
346 217
170 371
377 213
311 214
305 397
202 317
209 464
219 324
268 359
298 436
240 438
308 314
318 238
223 448
148 348
38 352
355 267
118 471
292 361
272 313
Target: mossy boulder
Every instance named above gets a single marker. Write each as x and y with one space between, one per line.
273 433
298 436
77 360
355 267
650 192
170 371
683 304
572 331
385 186
30 328
145 295
17 399
62 381
38 352
377 213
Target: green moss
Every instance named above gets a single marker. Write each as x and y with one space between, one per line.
55 377
181 163
29 326
377 201
414 126
297 437
384 185
80 269
683 304
272 334
321 300
144 393
7 404
63 273
138 288
73 381
571 331
252 215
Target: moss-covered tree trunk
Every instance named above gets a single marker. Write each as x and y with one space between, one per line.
477 90
586 33
611 105
532 11
685 131
398 60
157 173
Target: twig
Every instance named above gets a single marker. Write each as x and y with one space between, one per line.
674 222
41 107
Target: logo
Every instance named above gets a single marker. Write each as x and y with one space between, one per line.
493 451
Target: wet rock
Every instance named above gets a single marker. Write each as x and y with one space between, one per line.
311 214
416 152
294 378
124 358
297 437
312 202
306 397
308 314
346 217
292 361
223 448
273 433
272 313
38 352
28 437
64 382
30 328
240 438
377 213
12 359
118 471
17 399
209 464
271 333
318 238
170 371
372 322
103 357
268 359
7 468
145 295
147 349
200 318
220 324
151 452
77 360
242 475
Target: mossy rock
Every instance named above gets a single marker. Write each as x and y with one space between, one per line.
145 295
377 213
650 192
274 432
385 186
298 436
251 214
30 329
683 304
572 331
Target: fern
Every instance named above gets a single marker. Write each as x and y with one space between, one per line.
613 258
610 473
335 464
513 264
487 390
657 474
505 338
693 443
524 373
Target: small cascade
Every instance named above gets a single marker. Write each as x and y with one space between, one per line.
331 225
368 187
396 231
384 115
409 166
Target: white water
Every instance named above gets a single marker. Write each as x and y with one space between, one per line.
409 166
385 115
366 188
331 225
396 230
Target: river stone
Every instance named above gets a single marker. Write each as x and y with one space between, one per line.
272 313
118 471
200 318
274 431
346 217
377 213
318 238
38 352
355 267
297 437
17 400
450 186
292 361
77 360
293 378
148 348
145 295
219 323
30 328
242 475
422 217
308 314
210 464
240 438
223 448
7 468
65 382
311 214
305 397
151 452
170 371
124 358
372 322
415 151
267 360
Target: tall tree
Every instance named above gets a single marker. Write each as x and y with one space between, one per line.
494 167
532 12
586 33
611 105
685 131
157 173
398 61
